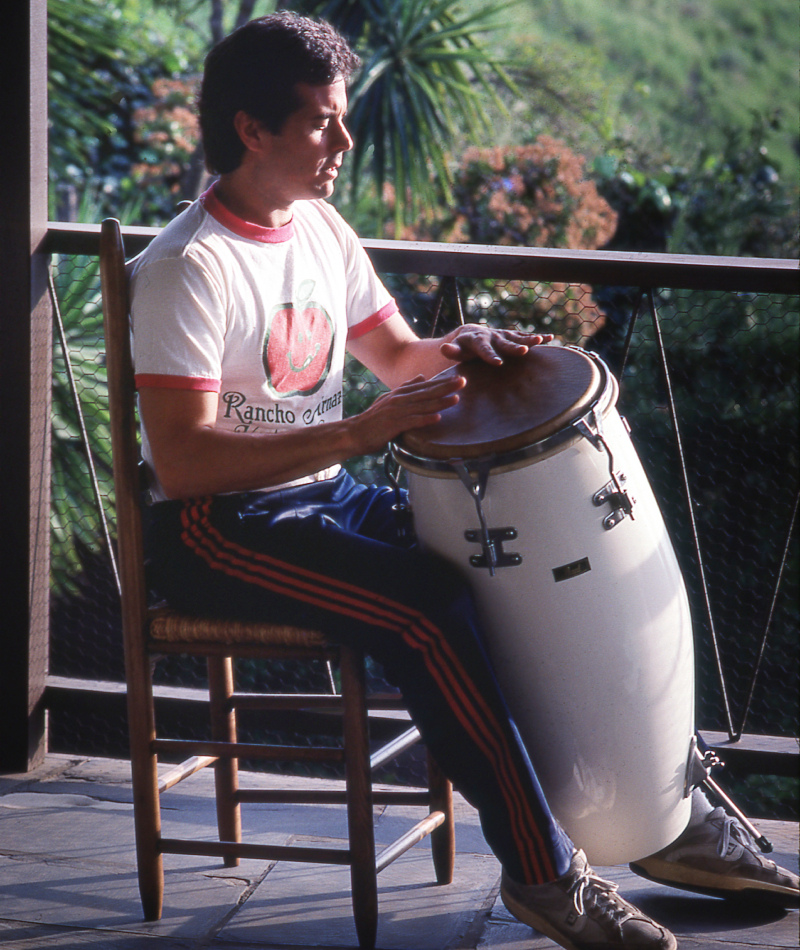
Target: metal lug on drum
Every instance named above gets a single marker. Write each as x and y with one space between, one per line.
619 499
495 556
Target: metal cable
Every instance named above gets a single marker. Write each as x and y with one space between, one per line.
459 305
690 508
82 426
440 304
629 337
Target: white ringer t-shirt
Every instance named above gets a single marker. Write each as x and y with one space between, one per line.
259 315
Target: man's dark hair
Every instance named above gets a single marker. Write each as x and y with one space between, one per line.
256 69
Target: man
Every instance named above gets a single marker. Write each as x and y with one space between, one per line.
242 309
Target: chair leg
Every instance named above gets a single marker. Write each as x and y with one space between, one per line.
443 838
149 863
363 875
226 771
144 780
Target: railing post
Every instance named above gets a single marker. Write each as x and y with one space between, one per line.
25 379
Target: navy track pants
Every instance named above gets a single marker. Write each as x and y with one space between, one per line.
328 556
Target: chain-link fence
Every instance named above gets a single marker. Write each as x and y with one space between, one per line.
733 379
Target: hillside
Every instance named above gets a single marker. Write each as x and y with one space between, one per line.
675 73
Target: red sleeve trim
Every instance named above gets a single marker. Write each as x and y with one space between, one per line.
389 310
164 381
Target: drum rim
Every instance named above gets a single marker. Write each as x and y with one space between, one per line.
606 398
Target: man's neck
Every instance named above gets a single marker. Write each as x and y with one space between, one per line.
245 200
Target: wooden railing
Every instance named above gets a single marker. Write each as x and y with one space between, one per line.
691 272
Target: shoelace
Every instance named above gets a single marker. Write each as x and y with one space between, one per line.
735 831
601 894
728 823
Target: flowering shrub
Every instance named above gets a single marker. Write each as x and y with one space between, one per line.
169 132
529 196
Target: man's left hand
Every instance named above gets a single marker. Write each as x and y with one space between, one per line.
474 341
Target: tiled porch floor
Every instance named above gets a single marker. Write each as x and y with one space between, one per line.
68 880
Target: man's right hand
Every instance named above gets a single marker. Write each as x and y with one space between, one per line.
414 404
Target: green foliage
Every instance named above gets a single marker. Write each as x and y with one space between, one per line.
85 52
212 20
736 202
767 796
681 73
733 202
104 62
645 200
559 92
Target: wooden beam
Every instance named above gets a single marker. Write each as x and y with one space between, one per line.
752 754
101 704
25 381
757 755
626 268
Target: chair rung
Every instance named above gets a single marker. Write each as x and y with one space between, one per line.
179 772
248 750
243 651
414 835
259 701
288 796
268 852
378 701
394 748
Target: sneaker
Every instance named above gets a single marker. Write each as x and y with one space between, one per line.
719 857
581 911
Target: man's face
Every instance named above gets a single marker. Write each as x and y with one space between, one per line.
303 160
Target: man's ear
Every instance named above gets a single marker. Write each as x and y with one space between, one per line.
251 131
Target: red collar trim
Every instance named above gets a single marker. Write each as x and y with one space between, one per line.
245 229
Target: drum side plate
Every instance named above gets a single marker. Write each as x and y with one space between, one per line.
505 408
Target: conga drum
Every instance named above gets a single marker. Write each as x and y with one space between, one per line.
532 486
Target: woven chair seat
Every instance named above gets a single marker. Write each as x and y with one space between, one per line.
168 626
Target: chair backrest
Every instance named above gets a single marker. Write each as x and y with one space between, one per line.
124 429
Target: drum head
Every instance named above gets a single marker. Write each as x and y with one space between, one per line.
508 407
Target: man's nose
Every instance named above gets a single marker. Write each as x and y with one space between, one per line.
345 140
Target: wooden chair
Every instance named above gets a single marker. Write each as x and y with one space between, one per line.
148 632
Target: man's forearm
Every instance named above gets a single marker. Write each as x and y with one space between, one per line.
210 460
192 455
